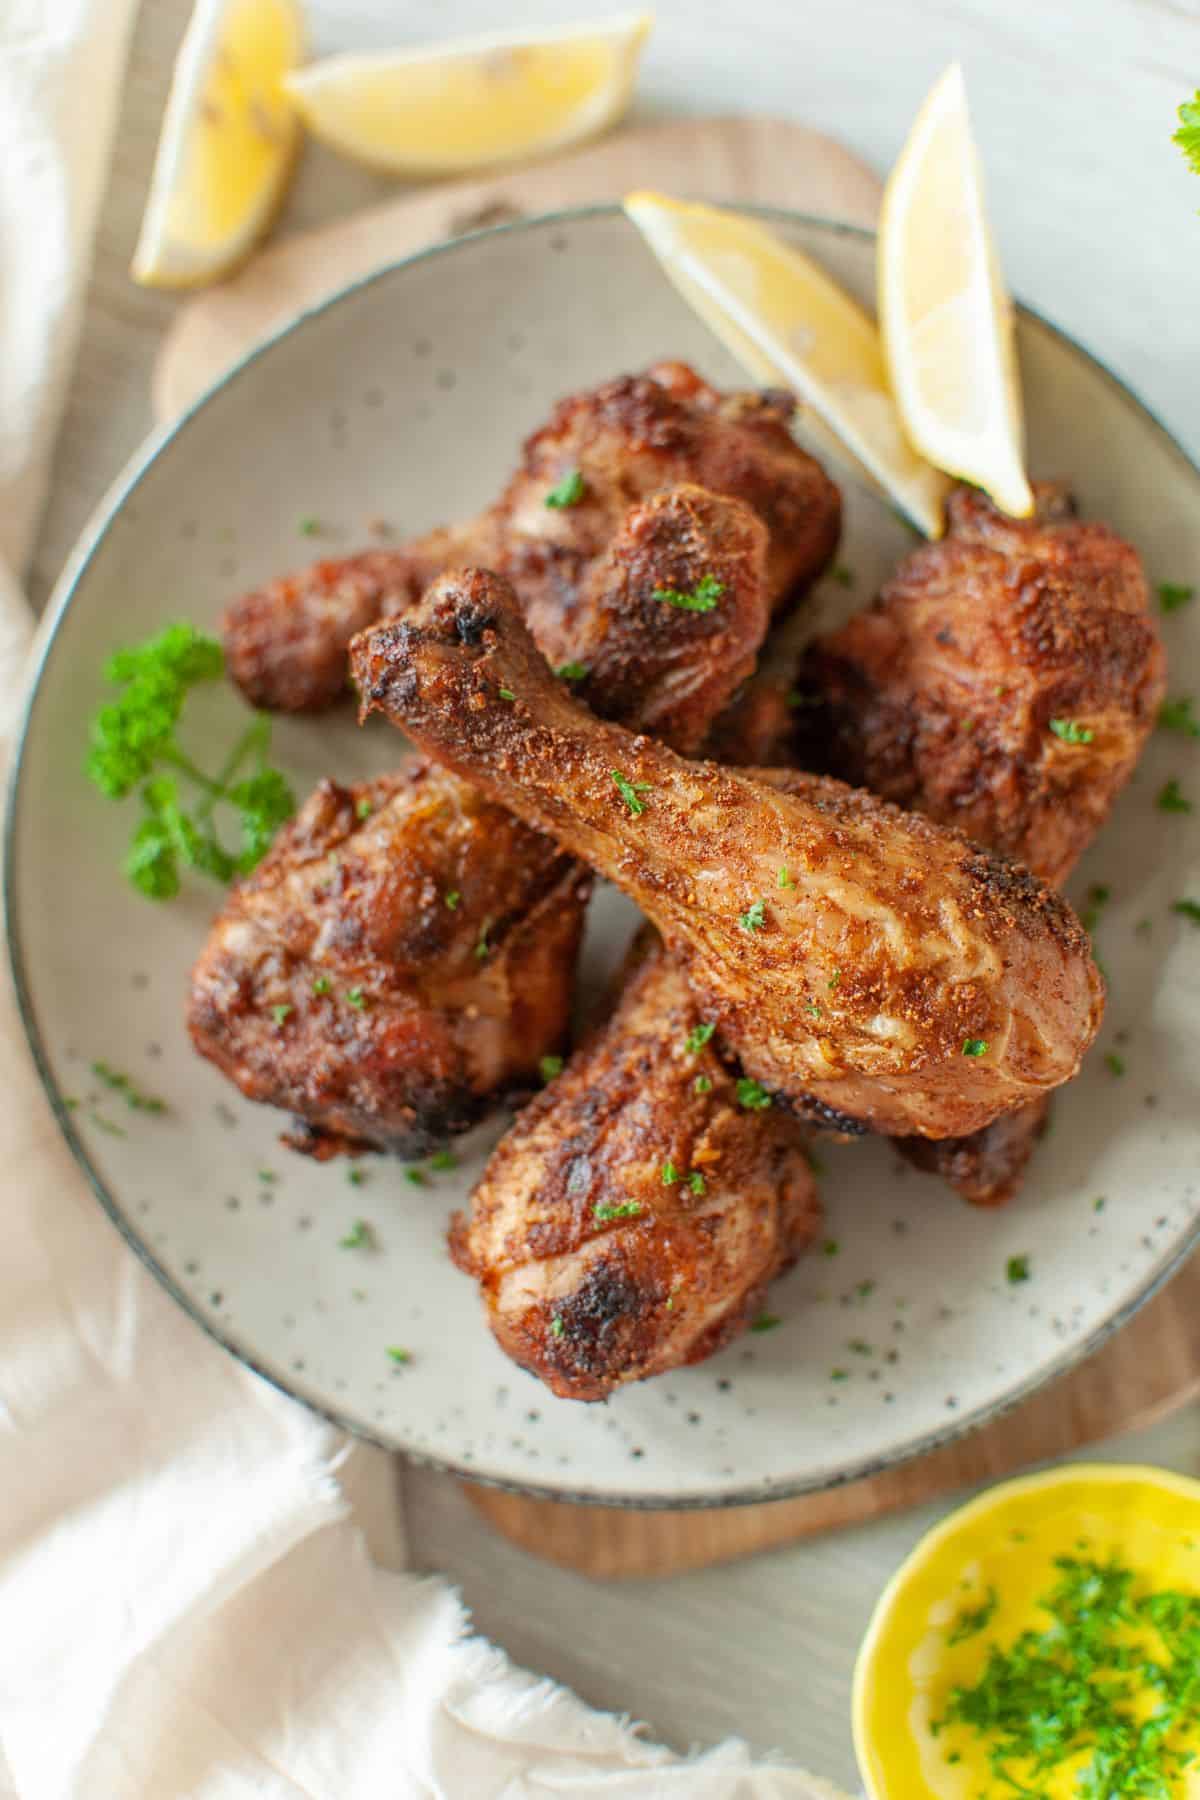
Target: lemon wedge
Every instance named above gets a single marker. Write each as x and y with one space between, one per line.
1110 1551
476 102
228 143
947 321
788 322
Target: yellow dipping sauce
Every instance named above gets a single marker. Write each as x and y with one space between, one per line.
1099 1562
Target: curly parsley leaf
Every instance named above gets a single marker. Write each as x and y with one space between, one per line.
135 746
1188 134
1071 731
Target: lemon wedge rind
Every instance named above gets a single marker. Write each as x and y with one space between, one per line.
946 318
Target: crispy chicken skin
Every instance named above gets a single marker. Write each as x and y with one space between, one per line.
628 1223
940 696
285 643
628 439
846 950
402 955
456 926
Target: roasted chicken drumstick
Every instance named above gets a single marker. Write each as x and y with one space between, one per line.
882 965
631 1218
405 953
1005 681
601 452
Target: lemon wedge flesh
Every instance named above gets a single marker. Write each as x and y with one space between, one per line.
981 1578
475 103
788 322
947 321
228 142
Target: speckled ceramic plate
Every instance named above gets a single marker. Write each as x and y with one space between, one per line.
404 401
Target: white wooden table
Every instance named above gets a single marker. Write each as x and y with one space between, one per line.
1099 225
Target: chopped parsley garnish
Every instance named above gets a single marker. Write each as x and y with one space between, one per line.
356 1177
1099 1203
267 1176
281 1012
568 491
355 997
814 1162
550 1066
416 1176
1172 799
135 746
785 879
308 527
482 947
670 1174
1114 1063
754 917
571 671
765 1322
451 900
813 1010
443 1159
397 1355
556 1326
625 1209
703 1084
865 1289
1102 1700
133 1096
835 980
697 1037
1173 594
974 1619
1176 715
839 1374
1187 909
859 1347
830 1247
975 1047
703 597
629 791
697 1182
843 576
1071 731
322 985
363 807
1099 895
1016 1270
357 1238
507 694
751 1096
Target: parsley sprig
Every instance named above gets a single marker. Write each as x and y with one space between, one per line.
135 746
1188 134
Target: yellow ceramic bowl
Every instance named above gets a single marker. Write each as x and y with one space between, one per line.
976 1579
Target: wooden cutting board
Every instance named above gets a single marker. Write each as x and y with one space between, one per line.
1150 1367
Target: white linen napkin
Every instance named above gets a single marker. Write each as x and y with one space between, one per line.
188 1606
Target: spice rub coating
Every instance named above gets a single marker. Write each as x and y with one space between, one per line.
631 1219
847 950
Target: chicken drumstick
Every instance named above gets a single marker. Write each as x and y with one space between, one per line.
405 953
846 951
